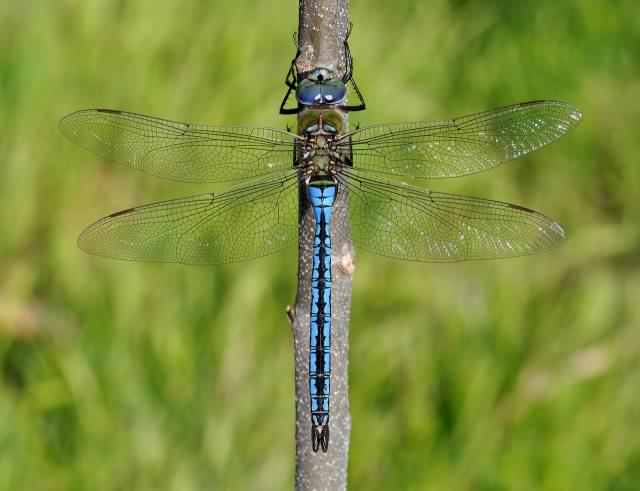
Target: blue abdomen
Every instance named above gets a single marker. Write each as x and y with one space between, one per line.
322 198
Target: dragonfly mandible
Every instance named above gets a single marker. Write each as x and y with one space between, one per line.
260 217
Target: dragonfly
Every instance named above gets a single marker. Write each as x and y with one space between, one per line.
328 166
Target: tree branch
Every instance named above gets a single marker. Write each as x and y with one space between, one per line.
323 27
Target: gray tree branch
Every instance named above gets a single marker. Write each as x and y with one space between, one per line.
323 27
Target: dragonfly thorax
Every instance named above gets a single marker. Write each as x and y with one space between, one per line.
320 155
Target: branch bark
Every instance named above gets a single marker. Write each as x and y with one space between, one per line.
323 27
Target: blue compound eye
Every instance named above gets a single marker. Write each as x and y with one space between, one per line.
334 92
309 93
312 93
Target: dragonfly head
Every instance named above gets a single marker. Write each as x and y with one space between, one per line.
321 87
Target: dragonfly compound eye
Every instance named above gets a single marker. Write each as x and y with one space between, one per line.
312 93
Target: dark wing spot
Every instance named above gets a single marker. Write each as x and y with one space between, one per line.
109 111
521 208
122 212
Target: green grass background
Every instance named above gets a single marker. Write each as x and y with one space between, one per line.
508 375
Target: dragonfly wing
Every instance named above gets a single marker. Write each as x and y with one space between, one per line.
243 223
414 224
463 145
180 151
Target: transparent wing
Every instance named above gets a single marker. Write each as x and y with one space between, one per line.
414 224
180 151
463 145
243 223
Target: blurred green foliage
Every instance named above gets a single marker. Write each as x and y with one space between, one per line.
507 375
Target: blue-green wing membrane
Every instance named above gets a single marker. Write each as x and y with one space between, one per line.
243 223
414 224
463 145
180 151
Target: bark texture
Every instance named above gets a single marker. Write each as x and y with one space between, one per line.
323 26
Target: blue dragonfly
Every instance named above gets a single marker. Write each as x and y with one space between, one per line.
326 165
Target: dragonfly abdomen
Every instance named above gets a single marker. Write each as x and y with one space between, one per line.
322 197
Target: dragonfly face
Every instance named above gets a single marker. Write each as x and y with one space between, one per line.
321 87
